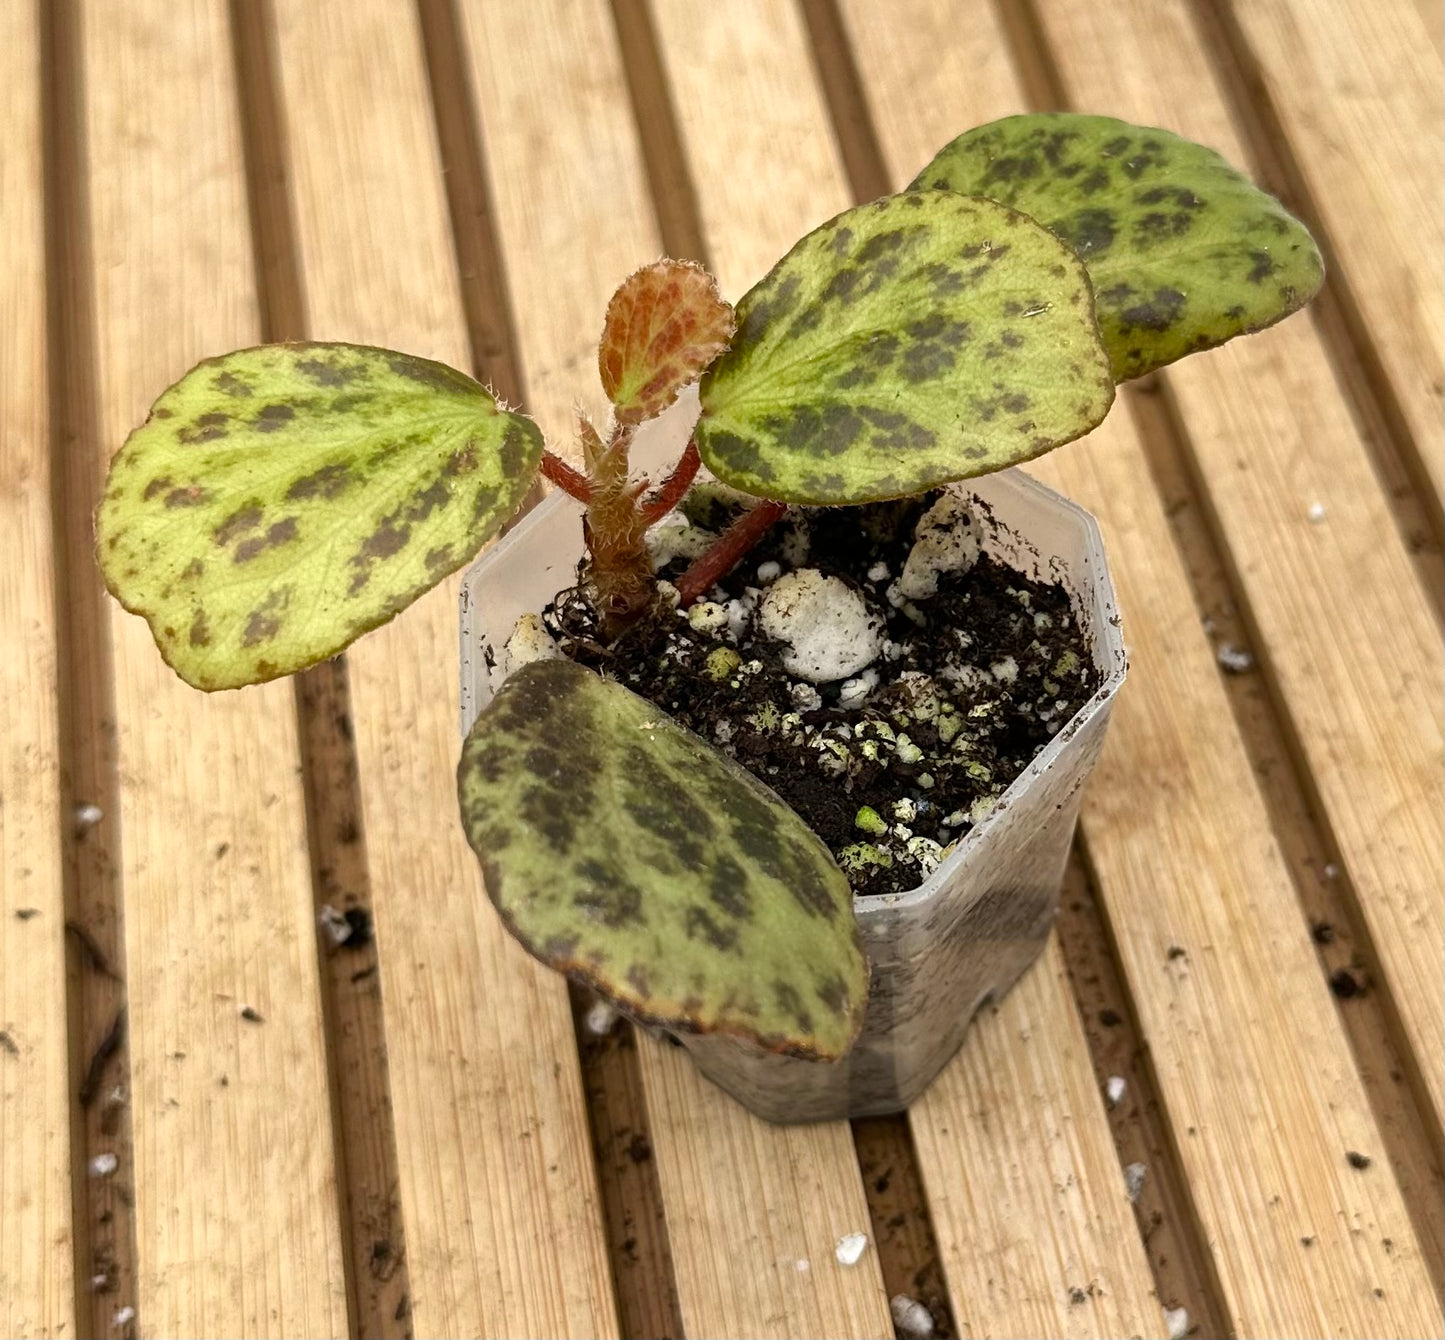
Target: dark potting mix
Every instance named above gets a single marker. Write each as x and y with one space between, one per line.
872 665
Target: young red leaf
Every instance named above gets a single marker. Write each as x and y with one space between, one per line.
665 324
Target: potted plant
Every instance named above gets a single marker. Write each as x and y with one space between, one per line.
827 587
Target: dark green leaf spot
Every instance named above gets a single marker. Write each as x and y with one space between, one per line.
857 354
627 852
1149 214
356 503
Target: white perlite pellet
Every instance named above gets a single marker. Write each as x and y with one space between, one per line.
805 697
336 926
530 641
87 816
850 1248
1134 1174
944 541
1176 1319
707 617
601 1018
825 627
855 691
1234 660
675 537
910 1317
103 1165
1114 1090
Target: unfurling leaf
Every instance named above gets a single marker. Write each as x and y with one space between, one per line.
922 338
1183 251
281 501
664 325
631 855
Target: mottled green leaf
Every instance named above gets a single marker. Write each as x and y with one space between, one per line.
922 338
281 501
1184 252
631 855
665 324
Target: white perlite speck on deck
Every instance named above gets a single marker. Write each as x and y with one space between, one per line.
910 1317
850 1248
103 1165
601 1018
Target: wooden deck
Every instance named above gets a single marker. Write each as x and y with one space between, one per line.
215 1122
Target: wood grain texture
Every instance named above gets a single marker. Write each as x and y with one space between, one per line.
237 1228
1358 88
1353 647
574 219
743 89
570 195
770 1202
1015 1152
1432 16
503 1225
36 1289
1255 1073
1253 1068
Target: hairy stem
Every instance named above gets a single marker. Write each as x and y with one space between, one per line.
566 478
621 570
731 545
673 487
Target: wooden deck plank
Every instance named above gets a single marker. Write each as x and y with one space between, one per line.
762 1209
236 1218
503 1225
743 88
1252 1065
569 188
36 1286
1358 88
1349 637
1016 1154
574 219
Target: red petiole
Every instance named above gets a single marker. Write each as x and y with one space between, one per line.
731 545
674 487
566 478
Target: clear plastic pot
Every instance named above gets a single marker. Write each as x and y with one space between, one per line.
958 941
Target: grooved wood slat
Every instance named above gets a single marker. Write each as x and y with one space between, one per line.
1016 1154
1349 638
745 86
498 1189
570 192
1358 87
1254 1071
36 1298
745 1202
236 1220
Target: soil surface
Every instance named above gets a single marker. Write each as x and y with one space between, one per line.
971 684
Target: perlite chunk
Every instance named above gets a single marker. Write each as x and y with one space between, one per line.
826 628
944 541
